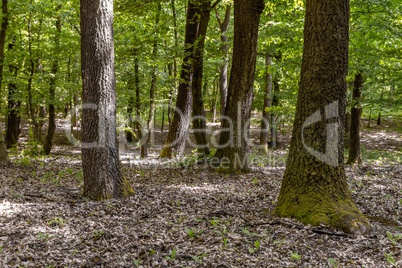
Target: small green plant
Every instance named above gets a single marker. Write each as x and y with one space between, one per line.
137 262
98 233
333 263
391 259
257 247
295 256
43 237
56 221
394 238
247 232
172 255
193 233
199 257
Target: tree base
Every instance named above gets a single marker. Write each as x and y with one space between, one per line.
342 214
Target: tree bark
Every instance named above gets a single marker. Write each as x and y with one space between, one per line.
314 188
100 158
354 135
3 31
199 119
233 148
178 131
266 105
223 69
274 125
47 146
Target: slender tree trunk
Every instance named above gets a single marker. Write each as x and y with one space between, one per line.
100 157
267 104
379 119
47 147
348 120
174 67
223 69
274 126
151 115
199 119
3 31
233 148
137 121
13 119
314 188
354 135
178 132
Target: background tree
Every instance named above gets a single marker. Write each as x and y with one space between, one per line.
314 188
234 144
3 31
100 158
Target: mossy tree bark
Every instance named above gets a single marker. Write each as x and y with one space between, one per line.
233 148
100 158
356 111
314 188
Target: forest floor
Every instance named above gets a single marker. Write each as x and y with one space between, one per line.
187 215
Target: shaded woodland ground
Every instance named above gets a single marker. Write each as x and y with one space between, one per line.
187 215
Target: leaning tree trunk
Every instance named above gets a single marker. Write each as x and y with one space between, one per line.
233 150
178 131
354 135
266 105
48 144
100 156
314 188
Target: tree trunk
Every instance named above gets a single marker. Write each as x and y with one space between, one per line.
3 31
199 119
100 156
348 120
178 131
137 121
274 125
151 115
233 150
354 135
47 146
174 67
314 188
267 104
223 69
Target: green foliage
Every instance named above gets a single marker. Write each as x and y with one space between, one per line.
172 255
43 237
295 256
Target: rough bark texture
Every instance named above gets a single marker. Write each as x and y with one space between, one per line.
178 131
266 105
274 126
356 111
199 119
48 144
100 158
314 188
234 141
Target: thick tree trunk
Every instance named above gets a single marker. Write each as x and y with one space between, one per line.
47 146
178 132
354 135
233 148
173 69
266 105
314 188
199 119
223 69
100 156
